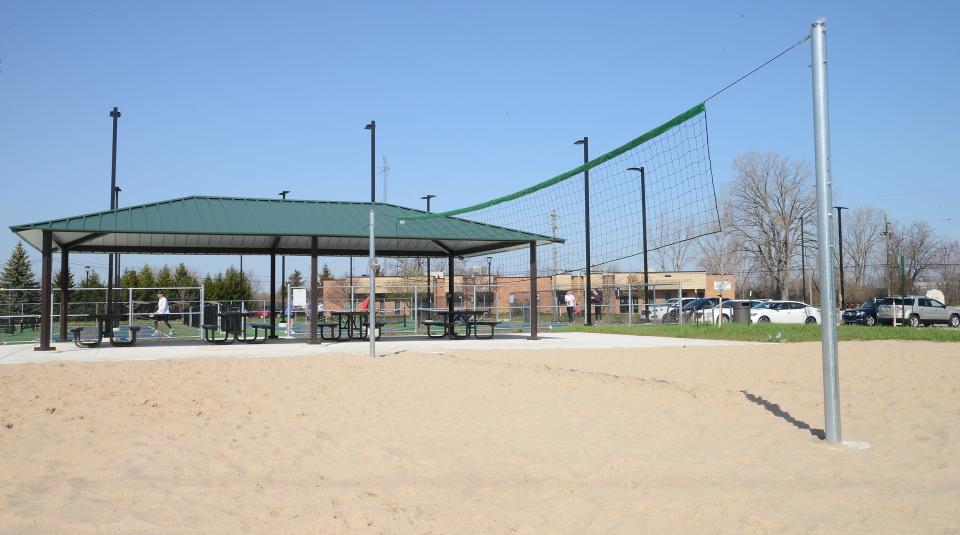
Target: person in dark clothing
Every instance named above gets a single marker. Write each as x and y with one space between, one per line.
596 297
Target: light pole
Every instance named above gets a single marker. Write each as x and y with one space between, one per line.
427 198
643 212
116 257
115 115
586 210
372 325
283 264
840 242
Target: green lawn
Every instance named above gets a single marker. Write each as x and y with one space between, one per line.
772 332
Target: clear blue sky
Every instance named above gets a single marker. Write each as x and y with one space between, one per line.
226 98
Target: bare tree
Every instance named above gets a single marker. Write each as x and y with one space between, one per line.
862 238
673 257
919 248
949 268
767 197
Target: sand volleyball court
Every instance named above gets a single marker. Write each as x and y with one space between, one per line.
695 439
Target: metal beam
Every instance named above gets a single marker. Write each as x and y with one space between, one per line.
46 292
313 291
81 241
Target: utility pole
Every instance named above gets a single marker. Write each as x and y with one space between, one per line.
372 326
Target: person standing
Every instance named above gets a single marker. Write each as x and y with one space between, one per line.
571 303
162 313
596 298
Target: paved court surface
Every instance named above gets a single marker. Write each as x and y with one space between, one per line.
186 349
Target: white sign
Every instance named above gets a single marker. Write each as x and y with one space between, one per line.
300 297
721 286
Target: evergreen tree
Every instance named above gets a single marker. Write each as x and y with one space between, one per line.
129 279
184 278
70 282
165 278
296 279
18 273
325 273
211 287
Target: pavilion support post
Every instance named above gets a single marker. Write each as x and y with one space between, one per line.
46 291
313 290
533 292
450 294
273 295
64 292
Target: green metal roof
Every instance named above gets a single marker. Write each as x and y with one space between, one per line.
227 225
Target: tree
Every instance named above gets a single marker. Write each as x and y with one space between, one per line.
295 280
184 278
768 196
18 274
862 236
325 273
919 248
165 278
70 282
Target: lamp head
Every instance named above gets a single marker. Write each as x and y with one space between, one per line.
579 141
370 126
637 169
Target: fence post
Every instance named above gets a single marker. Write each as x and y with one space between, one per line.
679 303
129 306
629 304
200 327
416 304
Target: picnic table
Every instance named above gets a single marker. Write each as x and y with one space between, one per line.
471 319
105 326
233 325
354 322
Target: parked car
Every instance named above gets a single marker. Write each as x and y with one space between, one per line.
917 310
784 312
700 309
728 307
865 314
660 311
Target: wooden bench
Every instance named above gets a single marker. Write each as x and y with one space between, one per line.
90 342
432 323
209 334
132 329
492 324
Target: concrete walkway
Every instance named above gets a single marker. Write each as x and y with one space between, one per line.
187 349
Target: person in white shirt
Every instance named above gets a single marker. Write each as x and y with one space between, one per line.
162 313
571 303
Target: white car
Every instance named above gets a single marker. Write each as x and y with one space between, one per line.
659 311
784 312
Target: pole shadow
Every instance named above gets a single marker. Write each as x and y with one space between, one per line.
775 409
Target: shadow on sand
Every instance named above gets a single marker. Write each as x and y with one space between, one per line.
780 413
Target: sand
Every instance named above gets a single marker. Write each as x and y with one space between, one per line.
666 440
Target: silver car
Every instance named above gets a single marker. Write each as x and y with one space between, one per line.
917 310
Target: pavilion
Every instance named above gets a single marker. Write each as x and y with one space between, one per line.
241 226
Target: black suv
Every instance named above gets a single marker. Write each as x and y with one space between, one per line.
865 314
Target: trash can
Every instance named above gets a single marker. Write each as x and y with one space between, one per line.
741 312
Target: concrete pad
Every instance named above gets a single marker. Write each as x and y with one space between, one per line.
188 349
